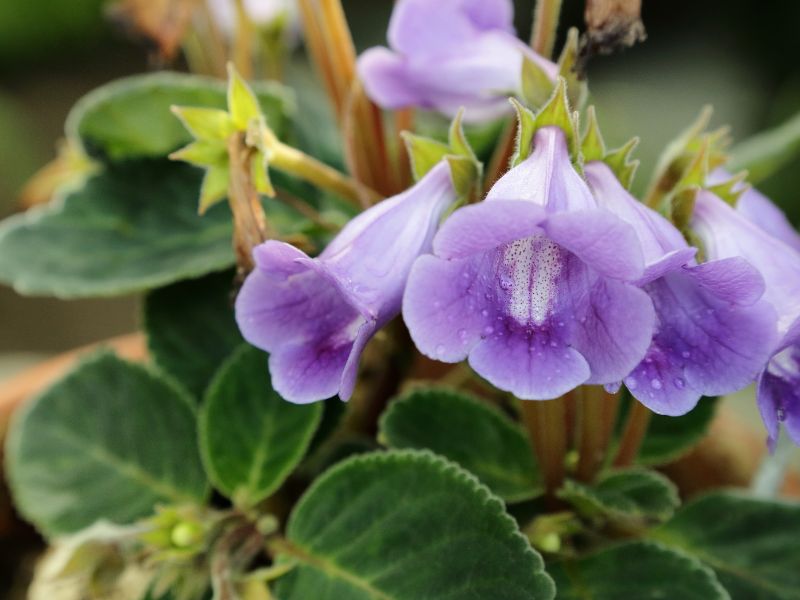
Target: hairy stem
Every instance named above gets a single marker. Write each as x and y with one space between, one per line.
633 434
547 426
598 414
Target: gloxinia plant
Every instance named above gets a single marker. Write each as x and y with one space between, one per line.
380 369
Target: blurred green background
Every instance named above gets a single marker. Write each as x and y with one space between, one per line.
739 55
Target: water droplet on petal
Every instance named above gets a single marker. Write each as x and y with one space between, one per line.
554 344
679 383
485 312
686 354
440 349
462 335
781 414
656 383
631 383
488 330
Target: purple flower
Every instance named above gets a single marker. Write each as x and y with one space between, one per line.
314 316
446 54
533 284
725 233
713 332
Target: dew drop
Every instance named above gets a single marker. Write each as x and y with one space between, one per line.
485 312
781 414
656 383
488 330
631 383
679 383
440 349
686 354
554 344
462 335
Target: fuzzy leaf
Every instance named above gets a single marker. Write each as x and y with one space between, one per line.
536 84
468 431
109 441
630 494
751 544
191 329
406 525
424 153
636 570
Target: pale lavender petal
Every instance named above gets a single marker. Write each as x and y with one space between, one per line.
350 371
448 305
546 177
779 395
303 372
726 233
387 81
761 211
533 365
616 328
486 15
731 279
705 343
283 301
484 226
423 27
663 246
602 240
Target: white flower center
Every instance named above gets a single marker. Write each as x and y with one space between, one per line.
532 266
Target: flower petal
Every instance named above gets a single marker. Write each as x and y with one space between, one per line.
386 79
616 328
486 225
760 210
446 307
705 344
779 395
530 365
602 240
303 372
350 372
546 177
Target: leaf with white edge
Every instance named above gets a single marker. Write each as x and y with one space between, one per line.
636 570
191 328
132 117
111 440
251 438
752 544
526 127
630 494
406 525
133 227
470 432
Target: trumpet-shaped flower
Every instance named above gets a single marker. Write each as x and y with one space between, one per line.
315 316
713 331
725 233
533 285
446 54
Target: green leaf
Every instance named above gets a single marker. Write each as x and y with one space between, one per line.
109 441
191 328
636 570
133 227
423 153
406 525
250 437
630 494
536 83
753 545
669 438
132 118
470 432
767 152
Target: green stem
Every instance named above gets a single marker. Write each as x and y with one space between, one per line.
633 434
299 163
547 427
598 414
545 26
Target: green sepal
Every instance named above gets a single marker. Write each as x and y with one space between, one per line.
205 123
621 163
465 173
203 153
678 205
242 102
526 127
555 112
260 173
732 189
536 84
458 139
424 153
593 147
214 187
577 90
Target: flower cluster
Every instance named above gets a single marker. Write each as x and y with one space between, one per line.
559 277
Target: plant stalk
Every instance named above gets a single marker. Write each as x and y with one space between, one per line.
598 414
633 434
547 426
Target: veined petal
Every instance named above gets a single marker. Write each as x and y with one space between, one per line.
448 305
663 246
726 233
779 395
599 238
759 210
486 225
706 342
546 177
